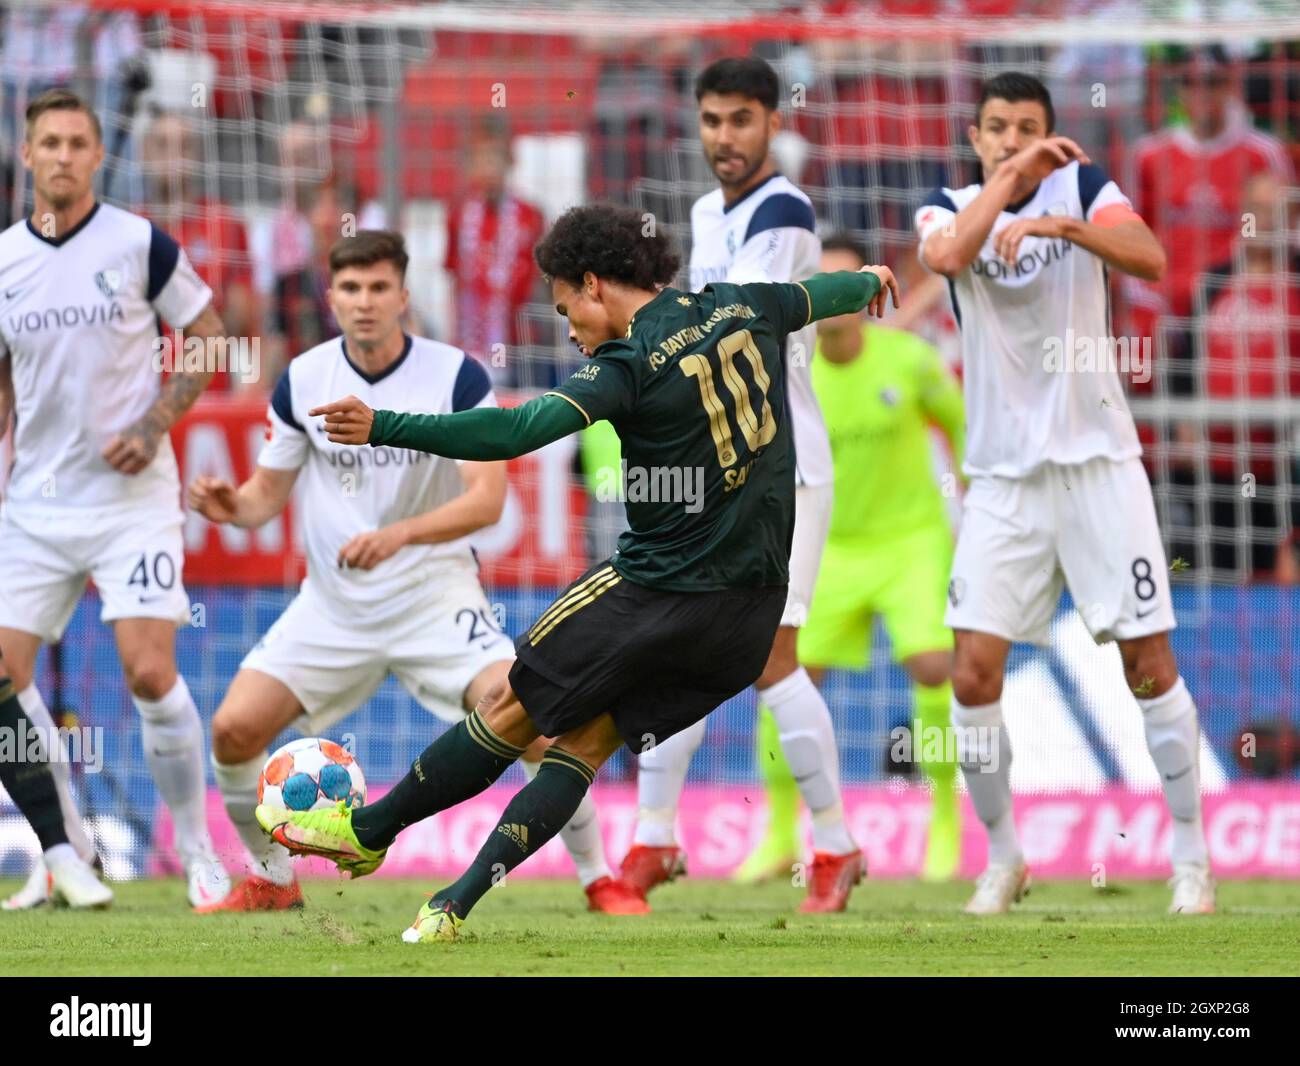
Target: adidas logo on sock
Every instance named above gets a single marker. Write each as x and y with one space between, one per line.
517 833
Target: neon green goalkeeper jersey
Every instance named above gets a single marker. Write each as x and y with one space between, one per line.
878 410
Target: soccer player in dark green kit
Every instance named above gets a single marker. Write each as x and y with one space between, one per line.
683 615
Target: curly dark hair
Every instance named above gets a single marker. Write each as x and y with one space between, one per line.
615 243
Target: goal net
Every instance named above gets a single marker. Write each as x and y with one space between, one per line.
257 133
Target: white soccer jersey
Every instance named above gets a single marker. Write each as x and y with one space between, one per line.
770 234
1034 333
346 490
78 322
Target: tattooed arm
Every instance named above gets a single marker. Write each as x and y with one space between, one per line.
133 449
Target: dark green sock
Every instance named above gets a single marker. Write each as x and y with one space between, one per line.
30 783
539 810
461 763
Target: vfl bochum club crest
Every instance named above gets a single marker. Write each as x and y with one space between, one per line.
109 281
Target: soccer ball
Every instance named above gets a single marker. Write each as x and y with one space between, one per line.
310 773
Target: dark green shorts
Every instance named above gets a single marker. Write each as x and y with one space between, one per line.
656 661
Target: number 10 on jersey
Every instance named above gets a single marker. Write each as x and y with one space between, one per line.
758 430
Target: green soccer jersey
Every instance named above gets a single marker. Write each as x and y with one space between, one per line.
877 410
696 392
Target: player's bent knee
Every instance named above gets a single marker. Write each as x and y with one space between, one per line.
506 717
929 668
18 656
593 742
236 737
150 679
1149 665
975 684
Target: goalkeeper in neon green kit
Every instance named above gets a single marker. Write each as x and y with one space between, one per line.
889 552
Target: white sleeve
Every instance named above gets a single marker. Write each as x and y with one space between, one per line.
286 440
936 213
176 292
775 241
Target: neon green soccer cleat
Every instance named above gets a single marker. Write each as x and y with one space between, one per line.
434 922
326 832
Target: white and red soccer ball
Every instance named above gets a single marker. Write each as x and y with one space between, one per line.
310 773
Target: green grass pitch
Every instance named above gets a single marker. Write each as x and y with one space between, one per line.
699 927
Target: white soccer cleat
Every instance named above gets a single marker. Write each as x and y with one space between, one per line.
209 882
73 882
34 893
1193 887
997 888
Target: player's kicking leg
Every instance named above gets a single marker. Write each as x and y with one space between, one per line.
458 765
581 833
172 737
22 648
31 786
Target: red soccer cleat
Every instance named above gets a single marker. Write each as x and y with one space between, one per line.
257 894
833 878
644 867
614 897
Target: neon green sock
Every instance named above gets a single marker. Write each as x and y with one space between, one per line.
782 789
933 708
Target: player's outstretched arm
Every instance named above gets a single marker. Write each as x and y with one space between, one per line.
482 433
254 503
953 248
845 291
133 449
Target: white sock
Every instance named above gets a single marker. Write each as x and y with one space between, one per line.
581 835
238 784
984 751
1173 739
660 775
808 742
29 699
173 747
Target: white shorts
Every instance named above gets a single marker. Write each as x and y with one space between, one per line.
1089 526
812 523
134 557
334 668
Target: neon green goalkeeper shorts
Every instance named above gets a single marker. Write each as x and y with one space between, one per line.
904 580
